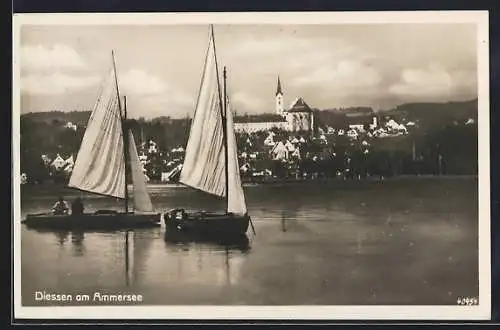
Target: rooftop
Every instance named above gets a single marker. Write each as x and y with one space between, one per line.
300 106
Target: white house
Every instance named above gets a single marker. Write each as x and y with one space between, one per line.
143 158
358 127
58 163
374 123
46 160
152 148
352 133
280 152
470 121
166 176
250 127
69 163
70 125
269 141
289 146
244 168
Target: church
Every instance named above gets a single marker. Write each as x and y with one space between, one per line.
298 118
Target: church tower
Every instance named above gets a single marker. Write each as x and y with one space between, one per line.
279 99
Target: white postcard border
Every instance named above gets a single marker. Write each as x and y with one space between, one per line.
480 312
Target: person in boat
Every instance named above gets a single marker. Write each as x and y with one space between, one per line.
60 207
77 207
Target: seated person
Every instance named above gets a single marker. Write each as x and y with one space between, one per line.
60 207
77 207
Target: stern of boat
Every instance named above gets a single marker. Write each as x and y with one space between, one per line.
205 224
173 219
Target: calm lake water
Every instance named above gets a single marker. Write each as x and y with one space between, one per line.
400 241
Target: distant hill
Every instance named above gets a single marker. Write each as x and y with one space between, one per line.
79 118
431 114
427 114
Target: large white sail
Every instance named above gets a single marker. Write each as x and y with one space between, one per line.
203 166
100 164
205 163
142 200
236 197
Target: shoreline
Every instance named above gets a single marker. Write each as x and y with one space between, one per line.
275 181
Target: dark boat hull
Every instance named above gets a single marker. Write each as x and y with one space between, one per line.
93 221
203 224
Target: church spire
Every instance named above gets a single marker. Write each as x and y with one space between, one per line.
278 89
279 99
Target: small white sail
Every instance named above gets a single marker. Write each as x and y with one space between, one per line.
100 164
142 200
236 197
203 166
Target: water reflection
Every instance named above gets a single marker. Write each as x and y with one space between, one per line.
128 245
77 238
62 237
241 243
288 215
222 256
315 245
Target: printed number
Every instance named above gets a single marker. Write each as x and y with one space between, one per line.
467 301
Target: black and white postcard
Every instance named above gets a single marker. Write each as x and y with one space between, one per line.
252 166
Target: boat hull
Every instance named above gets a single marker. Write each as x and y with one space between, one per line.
203 224
93 221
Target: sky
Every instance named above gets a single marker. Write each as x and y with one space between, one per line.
330 66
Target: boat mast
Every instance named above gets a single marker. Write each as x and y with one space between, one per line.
125 150
224 137
223 115
123 118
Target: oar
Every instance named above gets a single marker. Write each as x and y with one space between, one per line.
253 229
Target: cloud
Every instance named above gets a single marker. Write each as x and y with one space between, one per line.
290 53
252 46
287 45
434 81
334 65
50 70
245 101
139 82
346 74
170 99
154 94
58 56
55 83
171 103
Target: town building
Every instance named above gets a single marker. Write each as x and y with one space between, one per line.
58 163
298 118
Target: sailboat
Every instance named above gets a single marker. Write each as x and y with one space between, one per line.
107 155
211 160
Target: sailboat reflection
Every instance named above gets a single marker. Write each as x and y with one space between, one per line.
62 237
77 242
206 260
239 242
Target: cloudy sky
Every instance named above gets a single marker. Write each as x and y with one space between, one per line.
159 67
